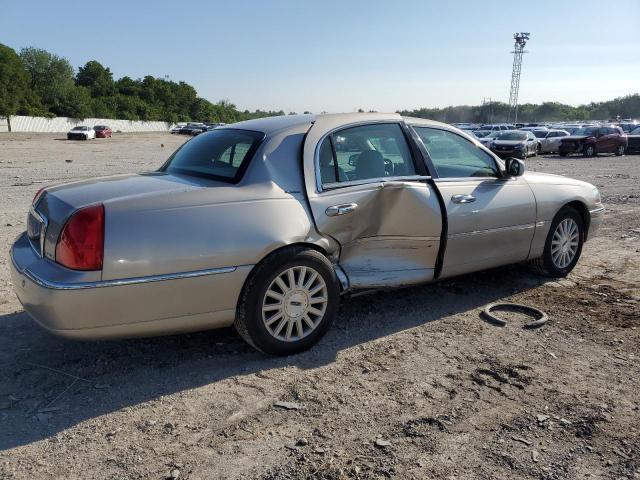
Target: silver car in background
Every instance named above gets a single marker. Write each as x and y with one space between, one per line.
549 140
264 224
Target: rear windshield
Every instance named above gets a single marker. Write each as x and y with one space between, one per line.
221 154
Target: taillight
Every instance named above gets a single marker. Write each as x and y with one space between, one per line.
37 195
81 243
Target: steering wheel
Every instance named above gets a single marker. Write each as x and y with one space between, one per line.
389 169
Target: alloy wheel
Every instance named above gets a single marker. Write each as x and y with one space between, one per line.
564 244
294 304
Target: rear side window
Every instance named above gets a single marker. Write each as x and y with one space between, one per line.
365 152
222 154
454 156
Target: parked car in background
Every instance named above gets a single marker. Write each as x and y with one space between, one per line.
512 143
549 140
264 224
590 141
628 126
176 130
497 127
190 127
633 139
481 133
533 129
81 132
103 131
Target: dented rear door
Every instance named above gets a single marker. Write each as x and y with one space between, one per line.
389 225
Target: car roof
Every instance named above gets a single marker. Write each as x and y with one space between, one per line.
270 125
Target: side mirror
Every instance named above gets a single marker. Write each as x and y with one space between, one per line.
514 167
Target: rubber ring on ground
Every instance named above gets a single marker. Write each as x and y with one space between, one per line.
541 320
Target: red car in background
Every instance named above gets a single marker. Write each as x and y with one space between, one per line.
102 131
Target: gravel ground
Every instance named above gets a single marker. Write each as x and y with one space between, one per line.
408 384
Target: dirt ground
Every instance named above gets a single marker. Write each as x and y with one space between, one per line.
408 384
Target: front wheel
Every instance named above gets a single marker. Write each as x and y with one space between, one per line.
288 302
589 150
563 245
620 150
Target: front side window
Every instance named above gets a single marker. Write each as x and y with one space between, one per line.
365 152
454 156
220 154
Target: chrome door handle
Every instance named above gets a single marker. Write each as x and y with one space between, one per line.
336 210
463 199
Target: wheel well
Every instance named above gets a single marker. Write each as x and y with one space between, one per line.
582 209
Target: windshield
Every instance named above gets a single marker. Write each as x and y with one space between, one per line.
80 128
509 135
540 133
635 132
99 127
221 154
586 131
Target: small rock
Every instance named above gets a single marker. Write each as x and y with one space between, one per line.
287 405
542 418
292 446
319 450
522 440
382 443
534 455
175 473
68 160
302 442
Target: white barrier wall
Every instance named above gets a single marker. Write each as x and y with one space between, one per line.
64 124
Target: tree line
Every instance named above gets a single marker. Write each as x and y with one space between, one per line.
35 82
496 112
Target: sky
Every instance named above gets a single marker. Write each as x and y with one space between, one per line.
338 56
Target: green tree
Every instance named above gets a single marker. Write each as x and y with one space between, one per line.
98 79
14 83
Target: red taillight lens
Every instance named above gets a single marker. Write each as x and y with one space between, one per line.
37 195
81 243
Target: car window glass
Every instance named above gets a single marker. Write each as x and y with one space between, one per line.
371 151
453 156
327 162
218 154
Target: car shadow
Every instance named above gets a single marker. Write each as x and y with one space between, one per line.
48 384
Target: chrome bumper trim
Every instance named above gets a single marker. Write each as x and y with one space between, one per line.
596 211
117 282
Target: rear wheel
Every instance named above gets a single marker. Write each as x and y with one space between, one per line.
620 150
563 245
589 150
288 302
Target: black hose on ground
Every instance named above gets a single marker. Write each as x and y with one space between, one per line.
488 314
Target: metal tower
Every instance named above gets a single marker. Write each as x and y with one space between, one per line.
518 50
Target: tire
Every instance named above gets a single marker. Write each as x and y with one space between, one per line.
620 150
539 149
562 154
297 317
589 151
550 263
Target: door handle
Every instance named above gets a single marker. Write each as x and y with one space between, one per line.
463 199
341 209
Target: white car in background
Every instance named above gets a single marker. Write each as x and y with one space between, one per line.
549 140
81 132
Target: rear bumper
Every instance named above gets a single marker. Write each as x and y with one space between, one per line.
144 306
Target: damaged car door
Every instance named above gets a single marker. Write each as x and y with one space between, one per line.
491 216
371 194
